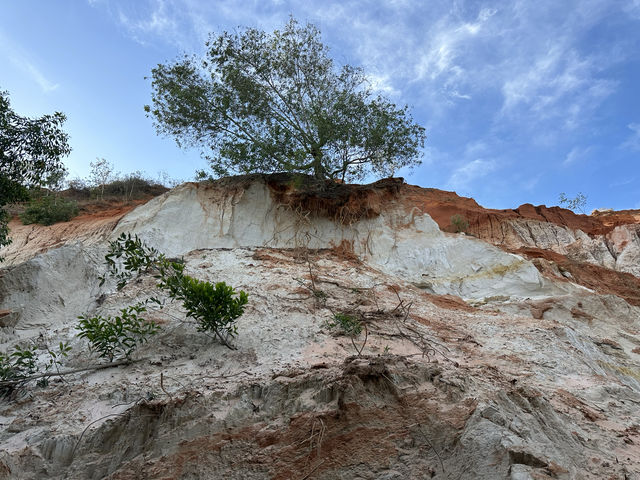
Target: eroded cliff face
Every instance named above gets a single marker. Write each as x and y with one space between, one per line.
478 361
399 240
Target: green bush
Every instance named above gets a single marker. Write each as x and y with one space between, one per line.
49 209
133 185
128 256
120 335
460 223
23 363
214 307
19 364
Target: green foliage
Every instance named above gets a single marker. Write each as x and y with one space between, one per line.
347 324
31 150
120 335
128 186
263 102
128 256
459 222
579 202
19 364
214 307
49 209
23 363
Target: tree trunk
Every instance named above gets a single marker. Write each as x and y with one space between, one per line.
318 169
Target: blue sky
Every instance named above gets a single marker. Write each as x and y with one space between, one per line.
521 100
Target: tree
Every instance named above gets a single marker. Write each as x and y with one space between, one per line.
579 202
100 174
31 151
261 102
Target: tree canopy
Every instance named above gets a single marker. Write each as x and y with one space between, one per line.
261 102
31 151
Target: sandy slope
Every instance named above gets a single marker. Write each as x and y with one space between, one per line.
533 376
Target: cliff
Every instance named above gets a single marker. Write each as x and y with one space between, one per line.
511 351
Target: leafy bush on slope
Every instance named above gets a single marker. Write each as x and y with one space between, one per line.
48 210
214 307
119 335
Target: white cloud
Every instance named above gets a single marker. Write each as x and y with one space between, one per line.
382 84
444 54
577 154
633 141
559 85
465 175
160 20
621 183
525 62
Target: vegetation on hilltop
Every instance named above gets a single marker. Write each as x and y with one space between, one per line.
265 103
31 152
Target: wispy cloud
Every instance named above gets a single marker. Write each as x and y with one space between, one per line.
463 176
632 8
22 61
523 70
621 183
45 84
633 141
157 20
577 155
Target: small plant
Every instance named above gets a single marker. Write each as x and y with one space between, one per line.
320 295
459 223
19 366
120 335
136 257
348 324
214 307
49 209
579 202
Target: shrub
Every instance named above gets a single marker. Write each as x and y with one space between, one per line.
119 335
459 223
132 185
136 257
49 209
348 324
19 364
23 363
214 307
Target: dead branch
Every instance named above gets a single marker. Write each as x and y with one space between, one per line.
20 381
366 336
162 385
